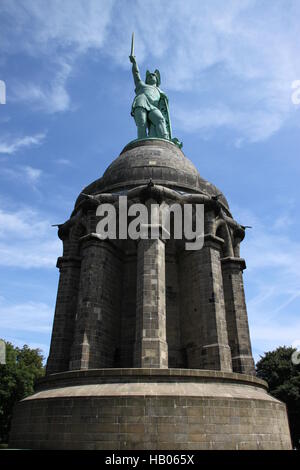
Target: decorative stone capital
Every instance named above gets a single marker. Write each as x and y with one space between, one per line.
213 241
233 263
68 261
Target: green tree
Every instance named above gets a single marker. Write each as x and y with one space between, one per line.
17 378
283 377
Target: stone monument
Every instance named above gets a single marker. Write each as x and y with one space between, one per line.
150 346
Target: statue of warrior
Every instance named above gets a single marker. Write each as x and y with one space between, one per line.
150 105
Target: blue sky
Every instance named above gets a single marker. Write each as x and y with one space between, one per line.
228 69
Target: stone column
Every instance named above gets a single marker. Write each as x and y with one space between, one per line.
203 310
128 307
96 325
176 357
209 220
215 349
236 315
151 349
65 311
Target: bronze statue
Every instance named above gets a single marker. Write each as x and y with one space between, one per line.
150 107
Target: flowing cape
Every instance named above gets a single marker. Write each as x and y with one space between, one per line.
164 109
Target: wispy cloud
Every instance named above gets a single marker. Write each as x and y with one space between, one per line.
206 120
27 240
51 96
19 325
234 68
69 29
12 145
72 23
23 316
23 174
272 281
64 161
269 336
33 174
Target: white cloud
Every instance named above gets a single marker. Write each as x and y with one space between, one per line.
271 336
52 97
81 24
64 161
12 145
272 280
267 337
24 316
260 127
33 174
23 174
27 240
26 323
234 67
23 223
69 29
37 254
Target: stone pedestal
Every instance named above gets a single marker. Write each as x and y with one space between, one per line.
134 409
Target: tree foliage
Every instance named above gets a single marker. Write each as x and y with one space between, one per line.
283 378
17 378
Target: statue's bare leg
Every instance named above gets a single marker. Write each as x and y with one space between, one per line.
159 122
140 117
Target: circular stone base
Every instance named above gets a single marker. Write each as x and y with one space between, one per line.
150 409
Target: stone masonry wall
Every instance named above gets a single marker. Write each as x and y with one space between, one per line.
65 312
97 326
173 309
236 315
128 309
129 423
151 349
203 321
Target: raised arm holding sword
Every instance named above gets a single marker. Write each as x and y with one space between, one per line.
150 106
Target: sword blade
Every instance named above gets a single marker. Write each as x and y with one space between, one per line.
132 45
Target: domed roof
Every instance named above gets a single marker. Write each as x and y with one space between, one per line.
156 159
